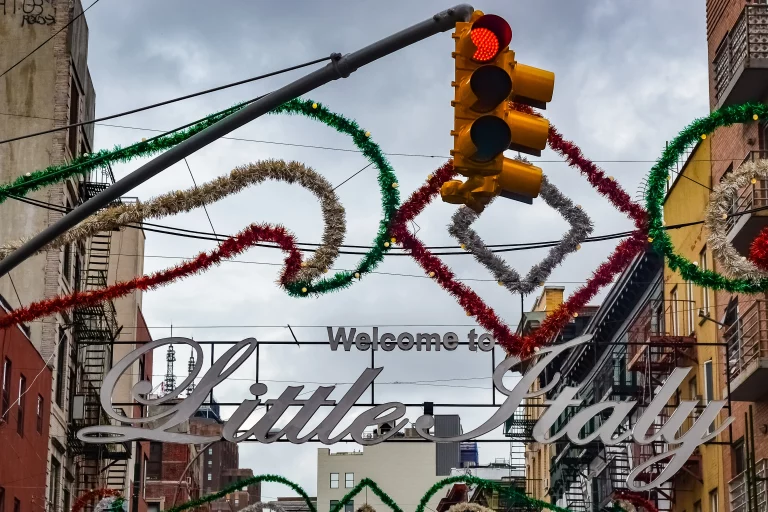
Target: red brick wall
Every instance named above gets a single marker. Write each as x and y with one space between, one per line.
23 464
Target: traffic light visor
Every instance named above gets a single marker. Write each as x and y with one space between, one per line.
490 34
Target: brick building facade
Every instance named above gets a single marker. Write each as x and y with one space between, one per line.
736 37
25 384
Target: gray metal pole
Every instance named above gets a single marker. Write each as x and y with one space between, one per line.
339 67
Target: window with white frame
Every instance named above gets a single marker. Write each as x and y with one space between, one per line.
334 480
349 480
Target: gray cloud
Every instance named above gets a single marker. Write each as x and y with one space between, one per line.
629 77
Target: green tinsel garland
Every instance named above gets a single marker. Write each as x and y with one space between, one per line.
655 193
517 497
84 164
389 194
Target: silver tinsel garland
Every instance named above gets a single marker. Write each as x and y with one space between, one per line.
581 228
109 504
183 201
259 506
722 199
469 507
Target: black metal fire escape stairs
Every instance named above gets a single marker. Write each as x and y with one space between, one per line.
95 328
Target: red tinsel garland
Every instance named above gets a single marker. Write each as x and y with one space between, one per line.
758 251
473 304
636 499
86 498
234 246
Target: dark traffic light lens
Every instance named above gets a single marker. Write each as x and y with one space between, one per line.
486 42
491 136
491 85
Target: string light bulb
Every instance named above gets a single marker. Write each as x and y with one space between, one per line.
431 274
650 239
703 136
314 105
386 244
304 290
393 240
754 117
357 275
395 185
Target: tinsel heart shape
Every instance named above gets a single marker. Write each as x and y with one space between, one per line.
474 306
581 228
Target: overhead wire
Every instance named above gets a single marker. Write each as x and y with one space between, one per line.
167 102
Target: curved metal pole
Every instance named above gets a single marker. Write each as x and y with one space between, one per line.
339 67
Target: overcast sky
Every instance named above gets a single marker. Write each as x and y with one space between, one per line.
629 76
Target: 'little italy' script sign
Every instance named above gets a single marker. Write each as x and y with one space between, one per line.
175 412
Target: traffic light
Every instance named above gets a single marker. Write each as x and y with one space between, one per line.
487 78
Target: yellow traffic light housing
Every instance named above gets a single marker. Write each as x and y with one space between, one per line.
487 78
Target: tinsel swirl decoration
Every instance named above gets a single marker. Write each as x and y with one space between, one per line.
656 190
229 248
469 507
111 219
581 228
390 197
636 500
513 497
112 504
721 202
260 506
91 495
366 508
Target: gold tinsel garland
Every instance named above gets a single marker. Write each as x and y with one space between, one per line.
241 177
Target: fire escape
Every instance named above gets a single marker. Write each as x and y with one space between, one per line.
95 328
657 344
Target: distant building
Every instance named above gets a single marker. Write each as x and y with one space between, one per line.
508 476
468 456
405 467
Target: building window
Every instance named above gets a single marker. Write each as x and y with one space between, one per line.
675 312
67 505
709 386
153 507
22 403
713 504
703 265
61 361
334 503
6 388
349 480
739 457
690 306
697 506
55 484
210 451
2 499
237 501
66 263
74 117
16 505
334 480
349 507
155 462
210 462
209 477
40 404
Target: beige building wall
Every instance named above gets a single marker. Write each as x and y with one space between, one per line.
37 95
404 470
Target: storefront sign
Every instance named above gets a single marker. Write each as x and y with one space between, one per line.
175 411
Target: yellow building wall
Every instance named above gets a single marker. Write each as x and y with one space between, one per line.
538 456
687 202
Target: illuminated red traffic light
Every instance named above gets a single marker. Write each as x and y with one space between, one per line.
486 42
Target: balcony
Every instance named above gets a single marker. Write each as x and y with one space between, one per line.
741 64
738 490
657 343
747 341
744 227
519 427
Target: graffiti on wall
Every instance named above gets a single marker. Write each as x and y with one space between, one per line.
30 12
